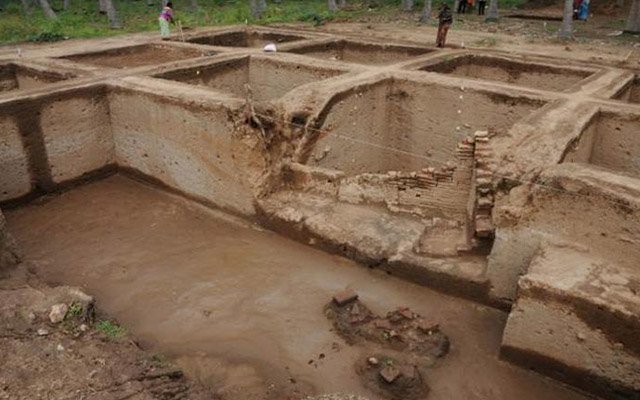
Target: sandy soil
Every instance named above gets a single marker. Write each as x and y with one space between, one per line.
240 309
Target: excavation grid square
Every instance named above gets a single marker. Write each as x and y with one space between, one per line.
268 79
245 39
137 56
361 53
538 76
631 92
17 77
609 141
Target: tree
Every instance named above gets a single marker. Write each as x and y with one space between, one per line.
258 7
343 4
426 12
566 31
492 14
47 10
106 6
333 7
633 22
407 5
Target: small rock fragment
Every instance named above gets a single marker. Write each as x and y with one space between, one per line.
83 328
42 332
60 347
389 374
373 361
58 311
345 297
581 336
383 324
428 326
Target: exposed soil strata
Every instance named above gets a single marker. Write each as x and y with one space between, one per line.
17 77
245 38
630 93
136 56
517 187
525 73
267 79
360 53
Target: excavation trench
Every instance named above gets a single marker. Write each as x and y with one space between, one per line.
240 308
397 173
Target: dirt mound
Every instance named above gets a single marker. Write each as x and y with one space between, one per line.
52 345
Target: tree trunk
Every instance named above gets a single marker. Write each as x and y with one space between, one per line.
456 3
492 13
333 7
258 7
566 31
407 5
343 4
426 12
633 23
47 10
65 5
102 7
194 5
620 3
112 14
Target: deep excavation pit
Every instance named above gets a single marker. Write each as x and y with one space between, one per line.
245 38
631 92
359 52
523 73
268 79
609 141
14 76
488 231
137 56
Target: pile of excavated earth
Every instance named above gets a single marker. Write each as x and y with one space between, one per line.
508 183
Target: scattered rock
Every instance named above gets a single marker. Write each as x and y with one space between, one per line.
389 374
345 297
60 347
58 312
42 332
373 361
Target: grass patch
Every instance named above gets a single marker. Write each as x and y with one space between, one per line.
111 329
83 20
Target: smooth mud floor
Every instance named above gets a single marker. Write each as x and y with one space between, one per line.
239 308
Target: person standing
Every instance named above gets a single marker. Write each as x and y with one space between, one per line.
166 16
482 4
445 19
462 7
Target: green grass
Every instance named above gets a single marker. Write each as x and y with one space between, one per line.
111 329
82 19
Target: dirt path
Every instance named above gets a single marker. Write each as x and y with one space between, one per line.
241 309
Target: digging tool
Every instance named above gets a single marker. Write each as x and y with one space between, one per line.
179 25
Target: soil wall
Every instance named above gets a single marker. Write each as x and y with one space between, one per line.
52 139
195 150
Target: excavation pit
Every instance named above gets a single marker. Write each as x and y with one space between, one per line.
421 124
137 56
631 92
17 77
609 141
533 75
268 79
245 39
360 52
245 304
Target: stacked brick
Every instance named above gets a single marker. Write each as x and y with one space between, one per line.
483 176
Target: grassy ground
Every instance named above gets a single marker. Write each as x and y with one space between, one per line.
82 19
